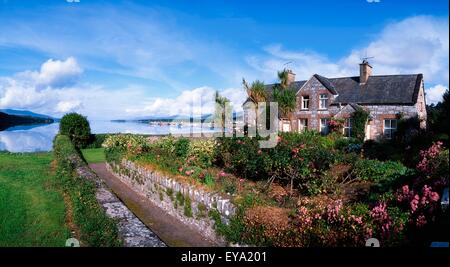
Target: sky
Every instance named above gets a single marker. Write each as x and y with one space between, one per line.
129 59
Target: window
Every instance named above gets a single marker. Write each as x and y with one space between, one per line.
324 126
302 125
348 127
305 102
390 127
323 101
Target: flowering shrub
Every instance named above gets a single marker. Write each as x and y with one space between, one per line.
134 144
434 161
336 125
299 159
201 152
421 205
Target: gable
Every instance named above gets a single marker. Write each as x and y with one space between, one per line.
345 111
316 83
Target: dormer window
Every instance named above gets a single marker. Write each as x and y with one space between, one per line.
323 101
305 102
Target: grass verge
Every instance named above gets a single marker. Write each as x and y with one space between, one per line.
94 155
96 228
32 210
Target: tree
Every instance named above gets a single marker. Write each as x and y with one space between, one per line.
283 78
77 128
223 103
257 93
285 97
437 118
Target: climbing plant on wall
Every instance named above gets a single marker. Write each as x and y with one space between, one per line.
360 117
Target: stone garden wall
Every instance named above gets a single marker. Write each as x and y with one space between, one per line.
187 203
132 231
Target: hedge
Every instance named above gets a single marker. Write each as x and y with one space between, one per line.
96 228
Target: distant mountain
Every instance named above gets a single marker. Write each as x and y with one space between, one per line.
25 113
7 120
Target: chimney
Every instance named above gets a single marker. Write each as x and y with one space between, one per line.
291 77
365 70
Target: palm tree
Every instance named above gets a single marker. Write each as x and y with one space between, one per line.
223 102
285 96
283 78
257 93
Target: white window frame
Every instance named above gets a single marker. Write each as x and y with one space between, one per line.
391 130
348 126
324 128
323 101
302 127
303 102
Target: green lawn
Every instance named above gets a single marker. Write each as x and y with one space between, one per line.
32 210
94 155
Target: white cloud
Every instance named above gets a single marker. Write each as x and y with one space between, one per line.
25 91
198 101
434 94
415 45
54 73
373 1
68 106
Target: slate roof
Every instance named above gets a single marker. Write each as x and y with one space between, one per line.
378 90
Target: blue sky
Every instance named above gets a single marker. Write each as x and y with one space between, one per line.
111 59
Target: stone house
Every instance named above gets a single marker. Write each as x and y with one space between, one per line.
320 99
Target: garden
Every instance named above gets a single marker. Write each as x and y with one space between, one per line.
310 190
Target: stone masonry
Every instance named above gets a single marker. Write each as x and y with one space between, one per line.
187 203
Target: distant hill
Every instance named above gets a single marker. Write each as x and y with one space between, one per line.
25 113
7 120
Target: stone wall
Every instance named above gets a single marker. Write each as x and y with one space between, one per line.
132 231
188 203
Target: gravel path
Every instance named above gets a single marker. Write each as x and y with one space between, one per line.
167 228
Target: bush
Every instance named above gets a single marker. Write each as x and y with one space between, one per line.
96 140
378 171
348 144
201 152
182 147
77 128
298 159
114 155
96 228
133 144
383 150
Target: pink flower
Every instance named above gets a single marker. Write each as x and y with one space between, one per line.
414 204
259 152
222 174
434 196
421 221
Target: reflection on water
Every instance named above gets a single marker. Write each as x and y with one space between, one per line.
36 138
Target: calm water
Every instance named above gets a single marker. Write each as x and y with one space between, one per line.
38 138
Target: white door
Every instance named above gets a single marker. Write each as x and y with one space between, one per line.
286 126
